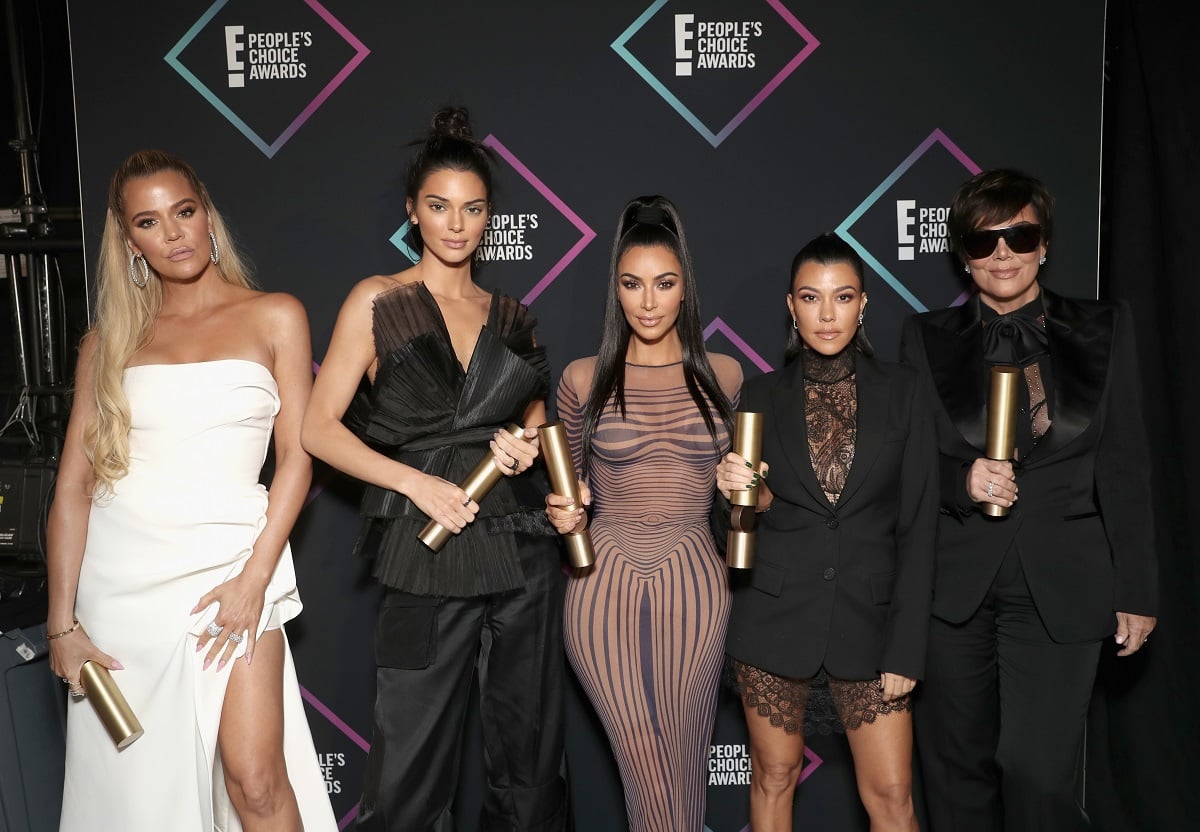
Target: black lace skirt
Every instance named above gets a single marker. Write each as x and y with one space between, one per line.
821 705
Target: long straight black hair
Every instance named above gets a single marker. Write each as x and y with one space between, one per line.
652 221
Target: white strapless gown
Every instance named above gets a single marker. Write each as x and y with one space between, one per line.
181 522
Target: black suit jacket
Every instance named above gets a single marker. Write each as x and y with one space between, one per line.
845 586
1083 523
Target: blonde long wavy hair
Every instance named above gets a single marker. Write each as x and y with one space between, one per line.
125 313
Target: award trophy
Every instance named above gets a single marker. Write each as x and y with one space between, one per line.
1001 423
747 443
561 468
110 704
477 485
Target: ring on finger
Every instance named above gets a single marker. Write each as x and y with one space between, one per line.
466 502
237 638
213 629
991 489
515 463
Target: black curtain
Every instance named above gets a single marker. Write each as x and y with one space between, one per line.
1144 731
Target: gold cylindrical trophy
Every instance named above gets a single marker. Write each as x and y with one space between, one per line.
110 704
747 443
561 467
477 485
1002 422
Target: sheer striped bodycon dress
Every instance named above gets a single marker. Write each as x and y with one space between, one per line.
645 626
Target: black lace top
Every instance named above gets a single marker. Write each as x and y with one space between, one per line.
831 411
425 410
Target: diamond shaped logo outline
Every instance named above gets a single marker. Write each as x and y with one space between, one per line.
715 139
340 724
585 231
269 149
717 325
843 229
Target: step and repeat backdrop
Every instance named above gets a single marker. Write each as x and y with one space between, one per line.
767 121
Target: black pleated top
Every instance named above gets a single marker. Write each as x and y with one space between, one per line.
425 410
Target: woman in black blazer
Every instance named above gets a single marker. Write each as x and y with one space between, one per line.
1022 603
833 623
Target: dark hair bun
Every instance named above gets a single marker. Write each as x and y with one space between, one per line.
452 121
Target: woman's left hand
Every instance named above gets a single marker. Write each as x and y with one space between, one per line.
514 456
239 608
893 685
1133 631
734 473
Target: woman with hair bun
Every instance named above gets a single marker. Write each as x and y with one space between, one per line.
450 364
168 562
648 418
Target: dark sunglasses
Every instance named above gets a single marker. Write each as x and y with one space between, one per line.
1022 239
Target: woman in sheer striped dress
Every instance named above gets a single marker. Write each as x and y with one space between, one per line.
648 419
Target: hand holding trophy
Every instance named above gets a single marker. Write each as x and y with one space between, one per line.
747 443
561 467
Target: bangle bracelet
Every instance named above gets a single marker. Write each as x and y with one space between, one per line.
74 625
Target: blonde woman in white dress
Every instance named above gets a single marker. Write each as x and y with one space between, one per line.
168 561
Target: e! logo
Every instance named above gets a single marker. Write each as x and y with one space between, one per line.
233 48
683 35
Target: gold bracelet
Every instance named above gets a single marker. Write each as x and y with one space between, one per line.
74 625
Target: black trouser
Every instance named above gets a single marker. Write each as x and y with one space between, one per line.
1000 717
426 650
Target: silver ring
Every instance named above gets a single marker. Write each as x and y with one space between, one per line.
466 502
213 629
237 638
991 489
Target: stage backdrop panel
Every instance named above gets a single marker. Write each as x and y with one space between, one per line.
767 121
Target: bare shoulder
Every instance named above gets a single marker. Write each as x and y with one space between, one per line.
728 371
280 306
85 363
578 374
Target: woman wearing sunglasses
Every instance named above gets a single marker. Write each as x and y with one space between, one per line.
1023 602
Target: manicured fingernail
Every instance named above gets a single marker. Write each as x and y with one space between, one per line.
749 485
748 465
199 646
116 665
1120 639
249 656
220 665
207 662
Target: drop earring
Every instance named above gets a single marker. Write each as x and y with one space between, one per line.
1042 260
215 254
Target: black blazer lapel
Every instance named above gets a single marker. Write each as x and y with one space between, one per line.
873 389
1080 344
787 405
954 347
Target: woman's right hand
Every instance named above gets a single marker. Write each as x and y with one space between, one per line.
443 502
68 654
992 481
735 474
568 521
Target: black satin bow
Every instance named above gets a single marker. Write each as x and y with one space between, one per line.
1014 339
